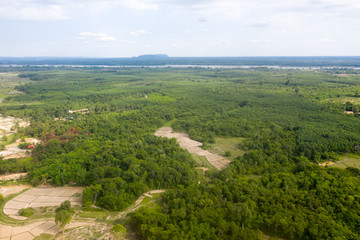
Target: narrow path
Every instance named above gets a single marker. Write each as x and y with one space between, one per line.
138 201
193 147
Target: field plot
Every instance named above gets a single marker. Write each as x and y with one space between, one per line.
193 147
42 197
32 230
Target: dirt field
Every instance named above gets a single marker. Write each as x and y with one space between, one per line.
41 197
32 230
8 123
193 147
9 190
13 151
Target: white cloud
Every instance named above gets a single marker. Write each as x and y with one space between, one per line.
96 36
222 42
139 33
326 40
32 10
139 5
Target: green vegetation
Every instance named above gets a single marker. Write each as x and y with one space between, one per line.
63 214
26 212
92 213
119 228
227 147
44 236
275 125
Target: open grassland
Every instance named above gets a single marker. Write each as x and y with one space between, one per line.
227 147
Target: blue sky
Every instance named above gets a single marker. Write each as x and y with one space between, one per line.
126 28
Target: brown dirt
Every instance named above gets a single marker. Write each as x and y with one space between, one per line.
14 176
193 147
8 123
9 190
13 150
81 111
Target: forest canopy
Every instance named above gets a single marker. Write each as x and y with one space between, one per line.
289 122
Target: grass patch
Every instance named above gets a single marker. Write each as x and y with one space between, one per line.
146 200
92 213
26 212
226 147
44 236
169 123
348 160
202 161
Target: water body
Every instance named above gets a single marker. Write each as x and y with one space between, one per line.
188 66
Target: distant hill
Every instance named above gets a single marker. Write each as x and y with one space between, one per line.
163 59
153 56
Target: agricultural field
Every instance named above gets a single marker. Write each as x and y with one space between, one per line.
230 153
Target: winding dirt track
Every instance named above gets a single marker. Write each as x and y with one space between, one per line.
193 147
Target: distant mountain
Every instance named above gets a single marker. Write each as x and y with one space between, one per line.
153 56
163 59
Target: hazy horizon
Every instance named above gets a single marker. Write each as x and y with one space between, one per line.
198 28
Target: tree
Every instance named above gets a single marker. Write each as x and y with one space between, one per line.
62 218
63 214
242 213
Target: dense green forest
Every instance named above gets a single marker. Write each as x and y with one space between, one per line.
289 120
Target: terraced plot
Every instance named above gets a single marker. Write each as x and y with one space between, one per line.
41 197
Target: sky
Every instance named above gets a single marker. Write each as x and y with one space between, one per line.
179 28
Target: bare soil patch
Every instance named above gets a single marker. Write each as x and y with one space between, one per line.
193 147
13 150
15 176
9 190
81 111
7 125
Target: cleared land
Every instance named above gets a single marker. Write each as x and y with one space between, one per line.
41 197
32 230
193 147
7 125
13 150
230 145
13 189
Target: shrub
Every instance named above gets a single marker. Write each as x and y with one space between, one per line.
119 228
26 212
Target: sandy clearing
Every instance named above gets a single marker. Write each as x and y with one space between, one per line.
14 176
193 147
13 151
8 123
81 111
42 197
9 190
